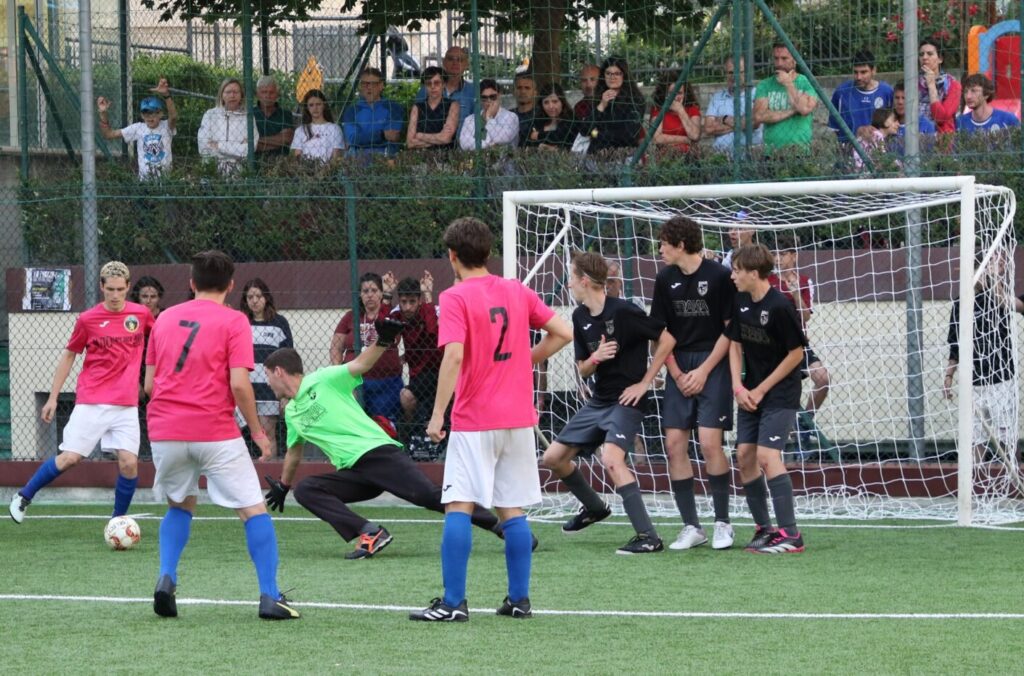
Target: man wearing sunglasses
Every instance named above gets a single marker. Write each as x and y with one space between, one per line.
500 126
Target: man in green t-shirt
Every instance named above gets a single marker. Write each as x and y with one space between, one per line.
323 411
785 103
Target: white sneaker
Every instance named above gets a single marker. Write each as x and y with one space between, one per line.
689 537
723 537
19 505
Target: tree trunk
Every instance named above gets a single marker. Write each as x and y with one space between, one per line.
548 24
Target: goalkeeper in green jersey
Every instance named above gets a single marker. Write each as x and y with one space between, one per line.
323 411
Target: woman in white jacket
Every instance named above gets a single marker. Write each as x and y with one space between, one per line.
223 131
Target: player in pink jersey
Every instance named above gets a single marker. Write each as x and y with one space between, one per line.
484 327
112 335
197 372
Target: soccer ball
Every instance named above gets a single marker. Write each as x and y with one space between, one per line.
121 533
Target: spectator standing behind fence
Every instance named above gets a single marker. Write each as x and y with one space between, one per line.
616 120
501 127
785 103
317 138
434 120
720 119
982 118
456 87
223 133
680 129
152 136
276 126
589 75
419 338
858 99
148 292
556 129
525 88
876 136
382 384
270 331
373 125
939 91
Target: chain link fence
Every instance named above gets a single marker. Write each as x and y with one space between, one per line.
373 196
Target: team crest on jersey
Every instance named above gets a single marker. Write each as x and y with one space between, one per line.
702 288
312 395
879 102
131 323
764 317
609 327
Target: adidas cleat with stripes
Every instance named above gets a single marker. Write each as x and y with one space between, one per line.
439 611
783 543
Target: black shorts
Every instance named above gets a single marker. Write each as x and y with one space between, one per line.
598 423
711 407
769 428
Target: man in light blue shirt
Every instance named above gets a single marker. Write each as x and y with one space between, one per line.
719 121
373 125
456 88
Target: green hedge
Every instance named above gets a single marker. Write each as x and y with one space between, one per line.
295 211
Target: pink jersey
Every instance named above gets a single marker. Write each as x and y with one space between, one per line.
194 346
113 344
492 318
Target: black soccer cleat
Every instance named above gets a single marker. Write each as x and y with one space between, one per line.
783 543
277 609
370 544
439 611
642 543
501 536
762 535
164 603
584 518
520 610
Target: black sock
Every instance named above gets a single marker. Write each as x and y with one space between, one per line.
636 510
757 501
782 499
581 488
682 491
719 484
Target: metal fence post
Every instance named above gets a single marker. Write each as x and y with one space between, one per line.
90 229
22 93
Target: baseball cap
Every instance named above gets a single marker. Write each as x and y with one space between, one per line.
150 104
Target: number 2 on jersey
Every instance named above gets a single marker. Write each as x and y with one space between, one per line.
194 326
503 313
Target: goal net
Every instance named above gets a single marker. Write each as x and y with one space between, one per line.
888 260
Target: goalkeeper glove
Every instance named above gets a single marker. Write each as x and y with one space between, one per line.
277 493
387 330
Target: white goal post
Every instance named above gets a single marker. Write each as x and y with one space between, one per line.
888 258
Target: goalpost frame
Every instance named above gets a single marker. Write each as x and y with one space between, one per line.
964 184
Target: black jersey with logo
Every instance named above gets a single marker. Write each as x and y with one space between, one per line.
768 330
627 325
694 307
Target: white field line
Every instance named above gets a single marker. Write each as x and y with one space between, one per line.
808 524
586 613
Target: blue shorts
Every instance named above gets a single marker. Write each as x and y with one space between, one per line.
383 396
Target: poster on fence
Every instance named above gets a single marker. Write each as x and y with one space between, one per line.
47 289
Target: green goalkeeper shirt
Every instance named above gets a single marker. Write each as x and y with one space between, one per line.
325 413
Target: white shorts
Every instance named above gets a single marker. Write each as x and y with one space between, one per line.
496 468
116 428
230 475
997 406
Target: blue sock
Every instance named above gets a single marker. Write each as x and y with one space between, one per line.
262 541
46 473
456 543
174 532
518 556
124 491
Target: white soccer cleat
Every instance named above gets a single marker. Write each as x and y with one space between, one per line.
689 537
723 536
19 505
